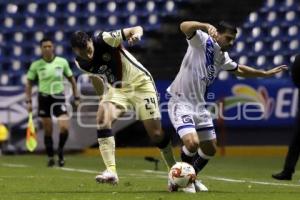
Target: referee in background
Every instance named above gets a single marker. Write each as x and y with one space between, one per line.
49 71
294 147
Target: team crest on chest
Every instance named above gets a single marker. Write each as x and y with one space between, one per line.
106 57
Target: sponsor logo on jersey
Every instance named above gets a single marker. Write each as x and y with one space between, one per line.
211 73
102 68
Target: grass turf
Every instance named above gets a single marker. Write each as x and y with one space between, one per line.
26 177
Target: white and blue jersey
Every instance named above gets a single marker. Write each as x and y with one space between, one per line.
201 64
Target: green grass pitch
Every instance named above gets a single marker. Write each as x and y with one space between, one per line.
228 178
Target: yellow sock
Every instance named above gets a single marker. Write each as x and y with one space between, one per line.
107 150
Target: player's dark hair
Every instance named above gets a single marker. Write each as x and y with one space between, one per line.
45 39
224 26
79 39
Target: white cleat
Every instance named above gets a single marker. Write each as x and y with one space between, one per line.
190 188
107 177
200 187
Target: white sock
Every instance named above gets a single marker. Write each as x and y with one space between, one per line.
107 150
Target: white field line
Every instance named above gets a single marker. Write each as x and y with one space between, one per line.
236 180
14 165
253 182
77 170
163 174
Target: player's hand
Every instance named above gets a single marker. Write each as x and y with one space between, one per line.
276 70
76 101
133 39
212 31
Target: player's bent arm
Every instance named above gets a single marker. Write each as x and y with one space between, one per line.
98 84
249 72
189 27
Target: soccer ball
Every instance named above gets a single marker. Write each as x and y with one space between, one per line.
182 174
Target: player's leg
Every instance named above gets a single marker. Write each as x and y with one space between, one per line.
147 109
182 120
64 124
208 148
44 112
291 157
179 113
59 110
190 146
161 139
48 141
106 114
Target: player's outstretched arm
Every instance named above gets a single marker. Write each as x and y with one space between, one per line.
249 72
189 28
133 34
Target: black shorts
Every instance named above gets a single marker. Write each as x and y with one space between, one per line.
51 105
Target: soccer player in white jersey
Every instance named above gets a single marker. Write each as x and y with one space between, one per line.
205 57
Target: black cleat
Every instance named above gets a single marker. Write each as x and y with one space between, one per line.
51 162
61 162
282 176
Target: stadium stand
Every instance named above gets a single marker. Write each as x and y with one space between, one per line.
24 24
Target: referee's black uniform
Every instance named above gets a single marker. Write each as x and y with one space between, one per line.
294 148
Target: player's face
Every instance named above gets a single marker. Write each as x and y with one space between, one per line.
47 48
226 40
86 53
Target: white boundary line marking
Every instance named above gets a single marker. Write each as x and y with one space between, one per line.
251 181
234 180
77 170
14 165
162 174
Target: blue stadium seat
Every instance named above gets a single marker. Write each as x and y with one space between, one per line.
291 18
4 79
269 5
252 21
289 5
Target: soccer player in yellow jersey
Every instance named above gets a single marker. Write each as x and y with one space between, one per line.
49 72
127 84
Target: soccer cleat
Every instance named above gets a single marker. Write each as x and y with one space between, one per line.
190 188
282 176
172 187
61 162
51 162
200 187
107 177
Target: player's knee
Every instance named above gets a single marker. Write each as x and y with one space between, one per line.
64 129
103 123
156 135
192 145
